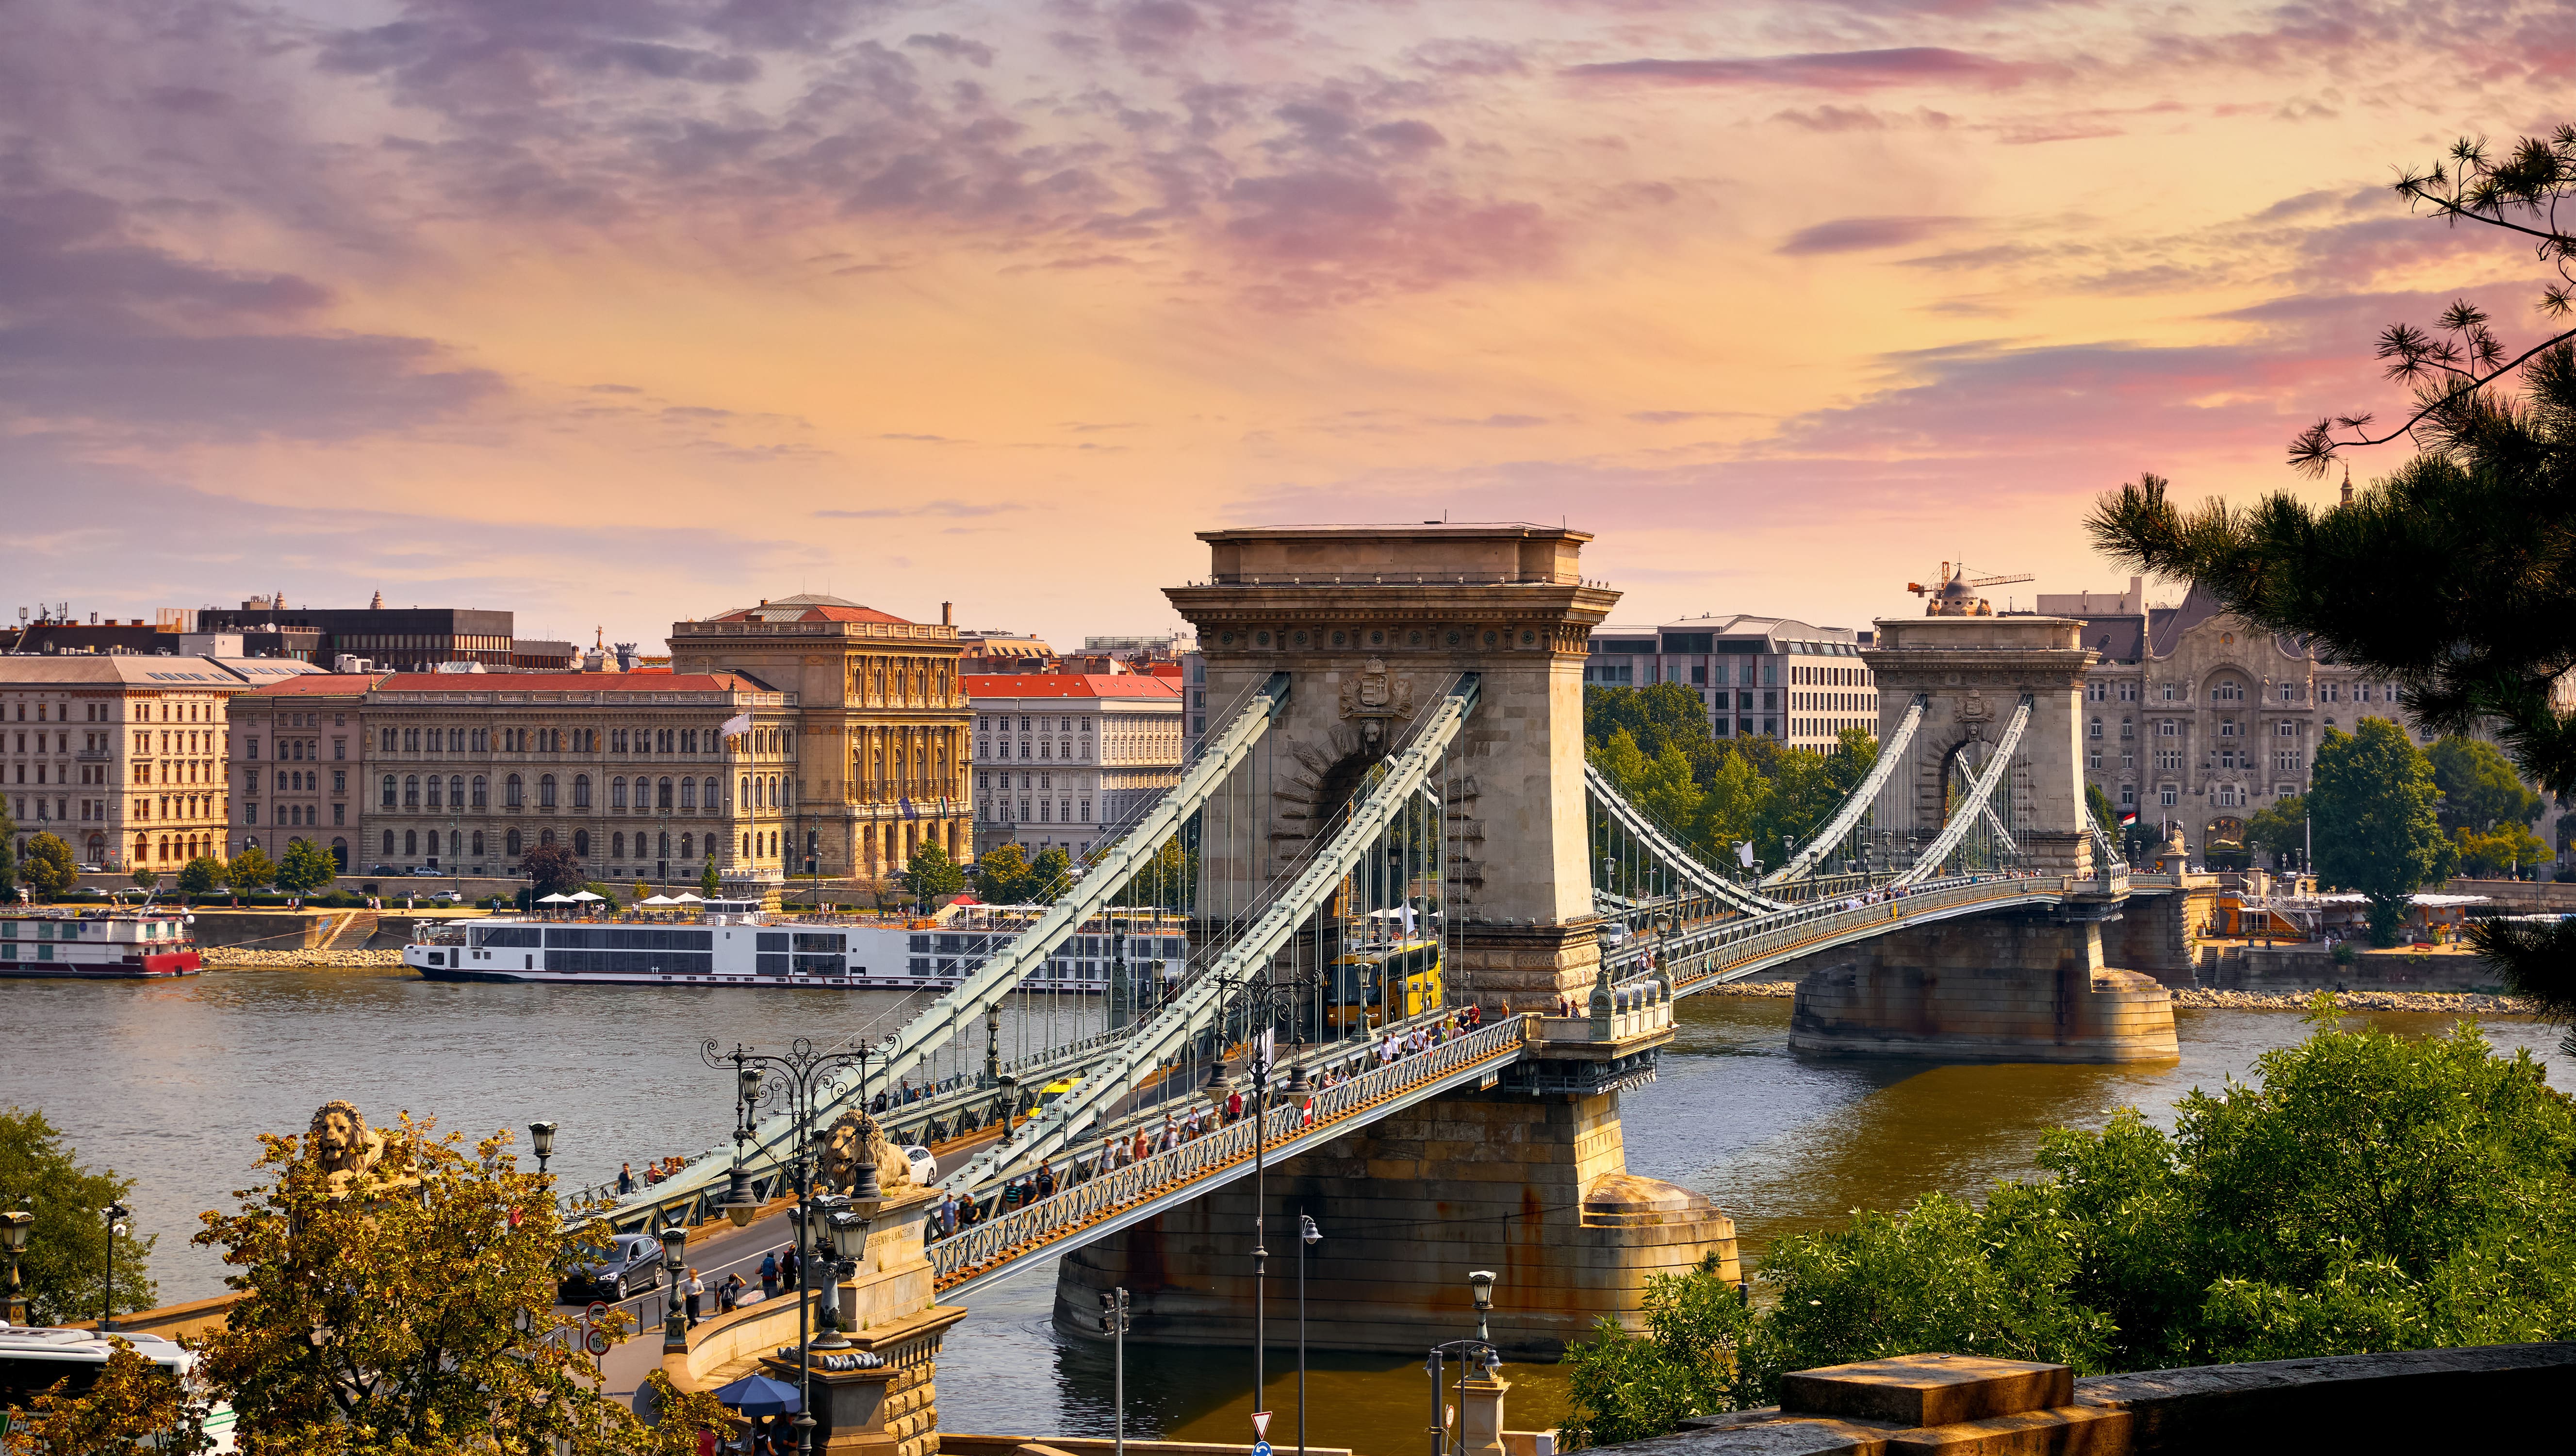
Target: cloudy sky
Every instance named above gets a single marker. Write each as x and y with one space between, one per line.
615 311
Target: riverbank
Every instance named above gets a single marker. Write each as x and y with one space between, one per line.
2462 1003
236 958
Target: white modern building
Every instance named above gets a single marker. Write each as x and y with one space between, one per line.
1060 758
1758 677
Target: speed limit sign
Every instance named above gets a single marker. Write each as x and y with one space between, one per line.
596 1341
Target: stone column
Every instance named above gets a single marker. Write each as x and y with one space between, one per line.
1480 1416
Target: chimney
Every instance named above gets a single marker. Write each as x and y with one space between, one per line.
947 614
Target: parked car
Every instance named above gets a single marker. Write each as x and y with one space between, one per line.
925 1168
630 1264
450 896
428 871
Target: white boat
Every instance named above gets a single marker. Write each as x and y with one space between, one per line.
735 943
97 945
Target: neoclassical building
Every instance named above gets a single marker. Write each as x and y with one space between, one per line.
878 749
2194 717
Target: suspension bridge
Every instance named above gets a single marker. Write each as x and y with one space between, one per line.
1391 823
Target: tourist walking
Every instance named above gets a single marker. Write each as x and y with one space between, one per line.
696 1289
769 1276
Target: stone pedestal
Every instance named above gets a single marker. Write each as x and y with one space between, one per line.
1505 967
2017 986
1532 1186
1480 1416
887 1409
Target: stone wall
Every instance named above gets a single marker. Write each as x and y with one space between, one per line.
2018 986
2159 933
1533 1188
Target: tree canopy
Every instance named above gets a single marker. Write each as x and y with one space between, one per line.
2371 798
2280 828
2479 787
2365 1192
65 1266
48 868
306 868
203 875
1654 744
931 873
251 869
552 869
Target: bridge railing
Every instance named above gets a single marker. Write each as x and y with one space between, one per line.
1708 954
1047 1223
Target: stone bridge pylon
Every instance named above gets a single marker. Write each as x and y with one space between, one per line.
1526 1176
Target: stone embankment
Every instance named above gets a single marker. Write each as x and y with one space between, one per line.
2457 1002
237 958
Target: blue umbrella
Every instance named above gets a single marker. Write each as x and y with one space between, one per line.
758 1395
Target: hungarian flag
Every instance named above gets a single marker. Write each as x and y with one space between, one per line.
2129 818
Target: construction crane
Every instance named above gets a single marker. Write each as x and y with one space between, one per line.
1956 596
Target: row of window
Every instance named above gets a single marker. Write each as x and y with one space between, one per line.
760 791
2287 760
2224 796
99 712
2232 691
1049 811
2227 728
549 740
1604 674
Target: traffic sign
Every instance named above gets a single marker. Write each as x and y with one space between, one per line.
1260 1427
1261 1448
596 1312
596 1341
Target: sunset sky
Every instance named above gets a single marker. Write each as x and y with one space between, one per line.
616 311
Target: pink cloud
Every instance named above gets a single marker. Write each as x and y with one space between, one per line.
1828 70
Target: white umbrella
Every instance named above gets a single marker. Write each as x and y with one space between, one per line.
657 900
586 895
685 898
554 899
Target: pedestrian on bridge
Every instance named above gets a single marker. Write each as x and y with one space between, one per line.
769 1275
625 1179
1234 1105
696 1290
948 1215
789 1268
1046 1180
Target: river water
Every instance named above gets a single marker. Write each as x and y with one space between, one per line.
169 1083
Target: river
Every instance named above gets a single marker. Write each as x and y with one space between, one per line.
170 1082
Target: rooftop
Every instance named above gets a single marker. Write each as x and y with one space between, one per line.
806 607
1069 685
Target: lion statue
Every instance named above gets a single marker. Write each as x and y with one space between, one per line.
342 1144
841 1155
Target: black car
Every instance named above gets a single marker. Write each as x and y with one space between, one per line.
630 1264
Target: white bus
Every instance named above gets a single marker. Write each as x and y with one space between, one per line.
34 1359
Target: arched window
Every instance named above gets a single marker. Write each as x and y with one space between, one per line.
581 843
688 795
411 843
142 848
411 791
684 847
511 844
581 791
746 846
456 790
545 836
662 794
389 841
617 793
742 792
511 795
617 846
545 791
478 844
433 791
389 791
713 800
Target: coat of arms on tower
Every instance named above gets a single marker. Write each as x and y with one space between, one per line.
1973 709
1376 693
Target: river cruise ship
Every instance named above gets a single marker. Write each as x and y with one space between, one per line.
97 945
735 943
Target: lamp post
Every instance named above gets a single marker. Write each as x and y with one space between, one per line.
14 1226
541 1137
1481 1283
1264 999
1471 1353
117 1214
1113 1323
1307 1237
832 1228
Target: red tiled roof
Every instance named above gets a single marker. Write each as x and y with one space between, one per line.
324 683
1067 685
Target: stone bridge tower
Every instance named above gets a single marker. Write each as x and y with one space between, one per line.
1527 1177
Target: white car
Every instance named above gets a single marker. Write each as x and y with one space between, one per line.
925 1168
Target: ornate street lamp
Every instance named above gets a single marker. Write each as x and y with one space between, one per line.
541 1137
1481 1285
14 1227
117 1214
675 1324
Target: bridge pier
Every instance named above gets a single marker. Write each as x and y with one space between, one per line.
1531 1184
2016 986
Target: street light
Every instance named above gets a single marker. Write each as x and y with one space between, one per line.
117 1214
13 1234
541 1136
1307 1237
675 1326
1482 1284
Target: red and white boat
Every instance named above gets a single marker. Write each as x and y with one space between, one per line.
97 945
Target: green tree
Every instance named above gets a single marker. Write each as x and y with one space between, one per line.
48 868
1855 754
2479 787
2363 1192
2371 797
643 892
2103 814
1664 713
8 851
552 869
306 868
710 884
1050 875
67 1249
203 875
424 1268
147 880
133 1405
250 870
1690 1360
2279 829
607 897
2492 853
1002 875
932 874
